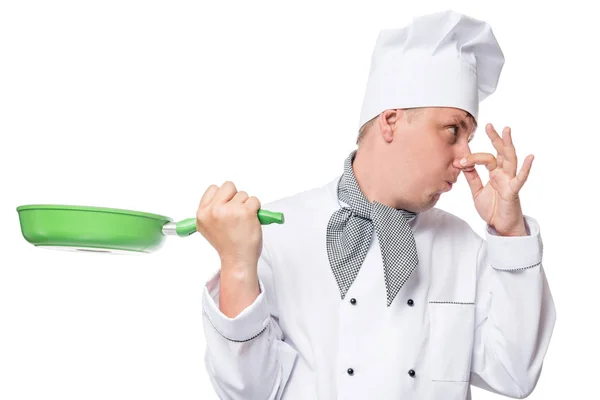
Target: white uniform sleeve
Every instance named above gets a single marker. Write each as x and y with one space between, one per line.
515 313
246 356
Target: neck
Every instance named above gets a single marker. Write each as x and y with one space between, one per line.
376 180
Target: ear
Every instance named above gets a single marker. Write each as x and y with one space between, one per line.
387 121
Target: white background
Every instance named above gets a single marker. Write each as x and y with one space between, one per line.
143 104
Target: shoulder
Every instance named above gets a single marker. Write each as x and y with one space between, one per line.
306 214
313 199
304 211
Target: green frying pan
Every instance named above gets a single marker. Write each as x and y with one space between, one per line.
107 230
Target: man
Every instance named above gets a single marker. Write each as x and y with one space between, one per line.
368 291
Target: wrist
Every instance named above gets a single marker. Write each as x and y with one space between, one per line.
239 287
236 264
239 272
519 230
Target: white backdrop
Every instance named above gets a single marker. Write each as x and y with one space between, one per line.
143 104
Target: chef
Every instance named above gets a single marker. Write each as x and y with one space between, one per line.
368 291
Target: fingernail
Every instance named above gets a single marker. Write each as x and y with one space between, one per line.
463 161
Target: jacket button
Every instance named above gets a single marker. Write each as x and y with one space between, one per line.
350 371
353 301
411 372
410 302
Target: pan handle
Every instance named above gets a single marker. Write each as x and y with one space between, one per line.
188 226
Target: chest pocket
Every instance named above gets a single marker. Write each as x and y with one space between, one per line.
451 340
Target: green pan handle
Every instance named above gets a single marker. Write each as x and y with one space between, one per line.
188 226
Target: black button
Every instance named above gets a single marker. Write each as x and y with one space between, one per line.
411 372
350 371
353 301
410 302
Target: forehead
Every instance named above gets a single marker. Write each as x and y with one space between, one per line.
450 112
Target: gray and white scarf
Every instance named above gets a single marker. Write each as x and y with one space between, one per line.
350 231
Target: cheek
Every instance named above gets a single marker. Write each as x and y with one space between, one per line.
429 159
431 170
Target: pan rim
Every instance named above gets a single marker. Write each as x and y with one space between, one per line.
92 209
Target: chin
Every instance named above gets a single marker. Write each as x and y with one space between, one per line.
430 202
427 202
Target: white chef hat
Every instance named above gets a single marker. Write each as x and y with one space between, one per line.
445 59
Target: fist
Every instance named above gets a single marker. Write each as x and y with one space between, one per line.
228 221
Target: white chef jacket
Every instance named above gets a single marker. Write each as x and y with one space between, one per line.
474 311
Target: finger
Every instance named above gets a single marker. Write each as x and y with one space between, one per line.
240 197
500 160
225 193
495 138
474 181
510 154
524 172
208 196
253 203
486 159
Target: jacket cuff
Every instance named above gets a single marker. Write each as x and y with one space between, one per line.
245 326
511 253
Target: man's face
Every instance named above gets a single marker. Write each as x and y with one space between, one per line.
431 146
